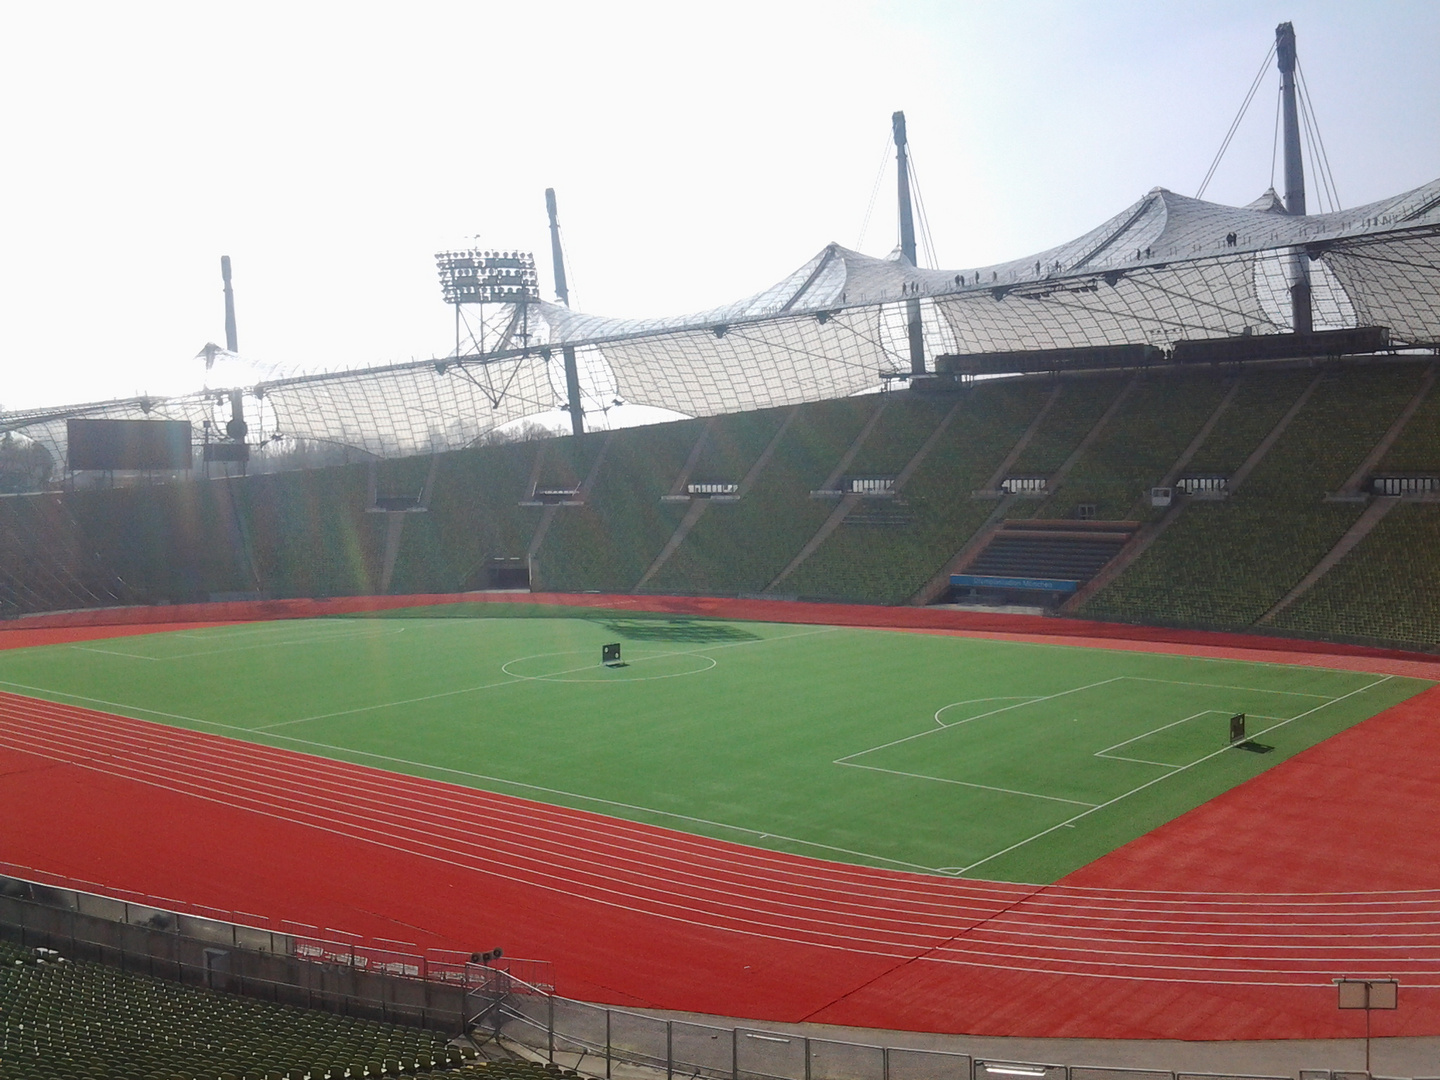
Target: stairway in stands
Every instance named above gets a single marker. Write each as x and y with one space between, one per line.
1058 550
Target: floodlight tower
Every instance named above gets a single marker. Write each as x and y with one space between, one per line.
1301 315
475 277
907 242
562 292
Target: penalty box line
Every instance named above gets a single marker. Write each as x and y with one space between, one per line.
1021 702
964 783
1105 753
1166 776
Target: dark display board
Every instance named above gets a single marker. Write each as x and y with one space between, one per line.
145 445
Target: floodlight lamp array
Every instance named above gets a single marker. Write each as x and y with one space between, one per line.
487 277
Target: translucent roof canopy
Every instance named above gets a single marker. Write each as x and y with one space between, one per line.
1166 268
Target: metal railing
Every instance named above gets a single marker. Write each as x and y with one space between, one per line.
595 1038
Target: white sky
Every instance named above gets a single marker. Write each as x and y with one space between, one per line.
699 152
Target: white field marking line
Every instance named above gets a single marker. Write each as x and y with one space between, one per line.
1166 776
976 701
1006 640
276 627
1222 686
1165 764
492 779
112 652
979 716
963 783
277 786
323 639
1137 761
1163 727
1082 938
350 635
563 889
559 676
514 680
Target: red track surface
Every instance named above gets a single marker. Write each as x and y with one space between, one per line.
637 914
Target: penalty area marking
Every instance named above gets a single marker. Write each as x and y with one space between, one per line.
1166 776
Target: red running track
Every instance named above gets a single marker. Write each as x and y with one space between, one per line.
643 915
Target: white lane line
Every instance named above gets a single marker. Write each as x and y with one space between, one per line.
487 779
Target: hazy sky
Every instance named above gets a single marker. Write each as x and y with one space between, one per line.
699 152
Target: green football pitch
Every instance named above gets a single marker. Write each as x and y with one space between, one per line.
915 751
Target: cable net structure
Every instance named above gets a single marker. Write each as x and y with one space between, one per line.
1165 269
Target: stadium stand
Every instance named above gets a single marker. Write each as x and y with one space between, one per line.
1260 402
1290 444
46 561
889 565
740 547
182 541
607 543
309 533
1081 404
1225 564
1417 450
1135 450
61 1020
474 517
1384 590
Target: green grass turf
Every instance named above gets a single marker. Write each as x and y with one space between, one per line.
993 759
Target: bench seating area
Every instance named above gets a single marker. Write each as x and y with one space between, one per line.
86 1021
47 561
1061 550
1224 565
1386 590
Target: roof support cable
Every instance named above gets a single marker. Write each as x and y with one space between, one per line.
926 237
1235 124
1311 122
874 193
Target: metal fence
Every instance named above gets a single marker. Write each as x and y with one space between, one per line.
595 1039
511 998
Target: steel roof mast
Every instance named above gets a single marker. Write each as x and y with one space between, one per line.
907 243
562 292
1301 318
